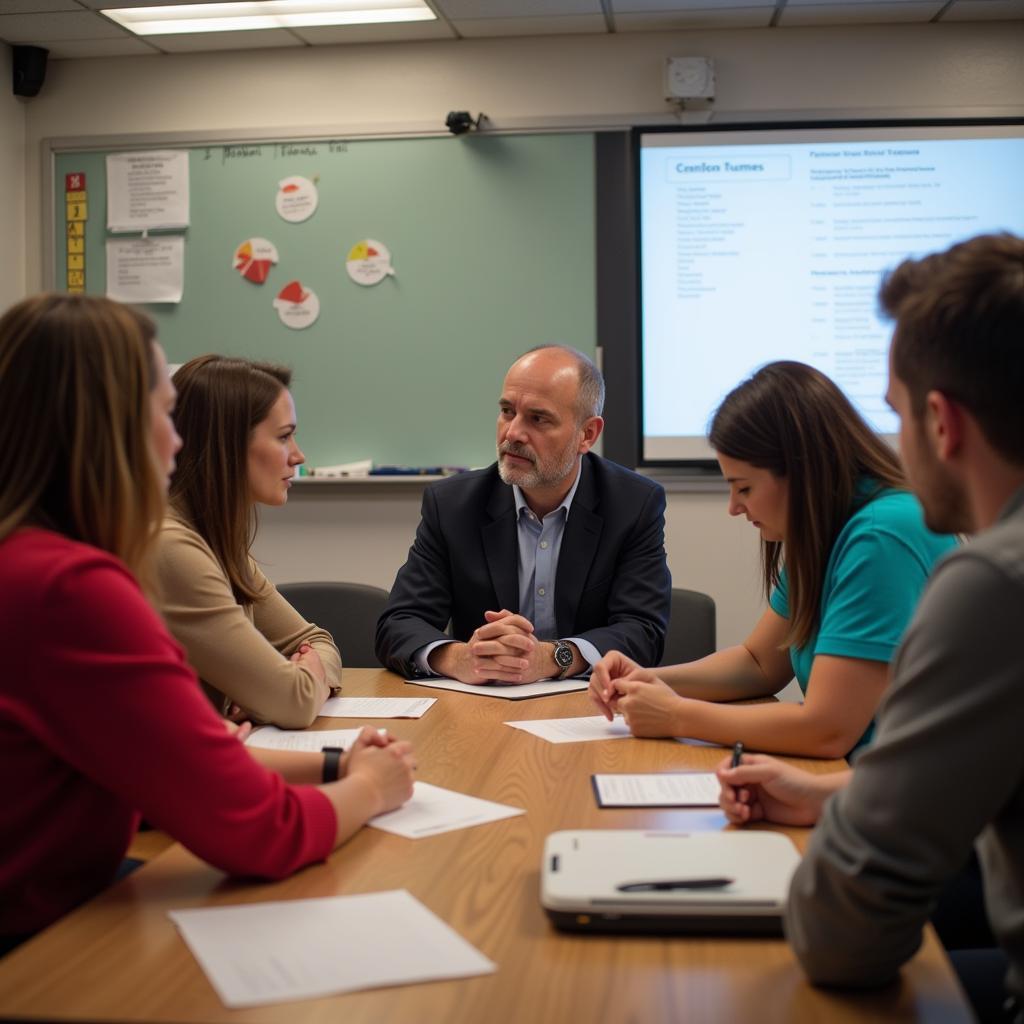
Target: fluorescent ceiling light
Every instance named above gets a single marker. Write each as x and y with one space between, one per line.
235 17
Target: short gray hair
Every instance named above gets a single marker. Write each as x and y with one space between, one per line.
590 394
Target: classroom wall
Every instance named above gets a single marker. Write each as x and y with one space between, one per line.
924 70
12 186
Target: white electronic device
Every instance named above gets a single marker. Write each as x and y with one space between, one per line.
689 78
687 882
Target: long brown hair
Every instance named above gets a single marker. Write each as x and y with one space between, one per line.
76 456
793 421
220 401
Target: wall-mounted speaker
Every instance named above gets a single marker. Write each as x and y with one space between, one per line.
29 63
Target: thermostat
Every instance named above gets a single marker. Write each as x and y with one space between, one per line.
689 78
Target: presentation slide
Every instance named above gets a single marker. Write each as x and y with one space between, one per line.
763 245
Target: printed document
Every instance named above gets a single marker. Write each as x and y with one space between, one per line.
657 789
507 691
301 739
377 707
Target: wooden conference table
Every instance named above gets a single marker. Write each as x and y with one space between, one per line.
119 958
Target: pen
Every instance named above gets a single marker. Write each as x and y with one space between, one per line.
667 885
737 756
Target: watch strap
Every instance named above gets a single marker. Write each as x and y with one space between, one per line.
332 764
564 645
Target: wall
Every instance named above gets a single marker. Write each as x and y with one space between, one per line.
12 186
925 70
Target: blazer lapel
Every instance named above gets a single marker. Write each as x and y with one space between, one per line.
579 546
501 546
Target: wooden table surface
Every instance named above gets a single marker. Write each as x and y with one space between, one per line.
118 958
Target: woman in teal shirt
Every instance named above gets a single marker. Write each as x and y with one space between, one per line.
845 555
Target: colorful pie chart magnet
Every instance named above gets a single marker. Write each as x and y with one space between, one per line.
254 258
296 199
369 262
297 307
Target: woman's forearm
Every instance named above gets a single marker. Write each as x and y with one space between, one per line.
729 674
781 728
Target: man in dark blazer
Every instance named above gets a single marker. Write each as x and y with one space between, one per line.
544 561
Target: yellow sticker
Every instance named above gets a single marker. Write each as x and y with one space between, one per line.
75 197
76 244
77 211
75 289
76 277
76 229
76 262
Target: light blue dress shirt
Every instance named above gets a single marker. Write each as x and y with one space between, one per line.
540 541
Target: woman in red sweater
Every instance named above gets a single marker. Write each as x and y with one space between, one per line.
101 718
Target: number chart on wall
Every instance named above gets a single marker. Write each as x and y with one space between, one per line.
398 278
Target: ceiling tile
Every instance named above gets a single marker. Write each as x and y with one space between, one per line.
477 27
37 6
258 39
620 7
41 29
72 49
718 17
108 4
984 10
860 13
481 9
329 35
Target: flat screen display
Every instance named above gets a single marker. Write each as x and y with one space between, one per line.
768 243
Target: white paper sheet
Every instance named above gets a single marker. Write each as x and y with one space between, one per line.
147 190
303 949
146 269
433 810
273 738
377 707
518 691
657 789
575 730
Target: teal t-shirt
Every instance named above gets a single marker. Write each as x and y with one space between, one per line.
874 577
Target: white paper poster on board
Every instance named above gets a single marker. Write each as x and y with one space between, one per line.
297 307
147 190
296 199
146 269
369 262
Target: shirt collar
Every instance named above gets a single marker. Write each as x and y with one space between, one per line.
566 501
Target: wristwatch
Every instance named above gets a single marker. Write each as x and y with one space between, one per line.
564 657
332 764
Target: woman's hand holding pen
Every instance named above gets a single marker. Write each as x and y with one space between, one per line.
762 788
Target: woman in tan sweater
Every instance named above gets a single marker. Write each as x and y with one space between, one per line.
256 656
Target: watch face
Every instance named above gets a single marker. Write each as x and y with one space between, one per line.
563 655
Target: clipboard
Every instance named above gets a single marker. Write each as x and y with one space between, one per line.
618 881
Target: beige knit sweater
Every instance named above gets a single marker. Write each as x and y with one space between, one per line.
241 654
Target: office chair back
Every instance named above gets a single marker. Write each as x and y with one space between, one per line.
691 627
348 611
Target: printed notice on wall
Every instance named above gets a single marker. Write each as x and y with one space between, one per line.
147 190
146 269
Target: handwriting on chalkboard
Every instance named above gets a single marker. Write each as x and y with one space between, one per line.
250 151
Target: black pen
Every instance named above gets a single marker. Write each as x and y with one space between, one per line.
737 755
675 883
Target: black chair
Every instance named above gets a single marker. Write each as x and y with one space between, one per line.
691 627
348 611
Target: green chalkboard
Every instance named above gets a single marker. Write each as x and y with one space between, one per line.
492 242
